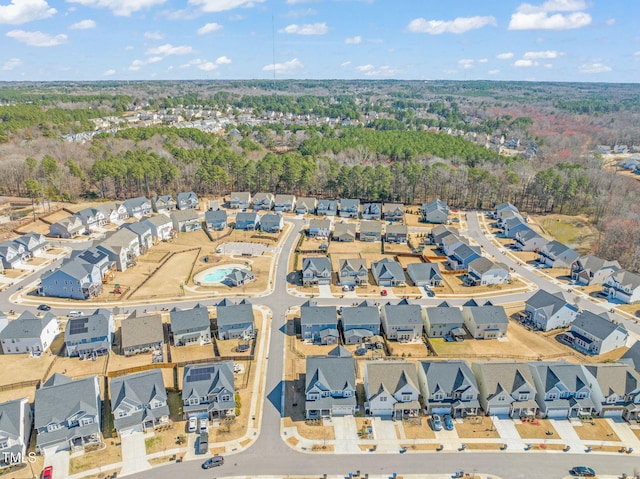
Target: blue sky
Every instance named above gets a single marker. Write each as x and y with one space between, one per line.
552 40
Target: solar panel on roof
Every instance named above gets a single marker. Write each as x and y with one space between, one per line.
78 325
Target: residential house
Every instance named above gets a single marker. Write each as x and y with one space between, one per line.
562 390
29 334
316 271
387 273
424 274
215 220
344 232
360 323
163 204
90 336
460 257
187 200
161 227
503 210
615 390
138 207
436 211
208 390
240 200
327 208
94 256
437 234
74 279
141 333
91 218
448 243
396 233
319 324
319 228
349 208
214 205
272 223
353 272
284 203
139 402
620 149
235 320
528 240
590 270
391 389
115 213
443 321
4 321
448 387
122 247
144 232
190 326
263 201
13 254
483 272
592 333
306 206
557 255
186 221
239 277
632 356
372 211
370 231
402 322
506 388
511 226
330 385
485 322
16 422
623 285
546 311
247 221
602 149
68 414
393 211
34 244
70 227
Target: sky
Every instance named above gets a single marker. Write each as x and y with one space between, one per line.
552 40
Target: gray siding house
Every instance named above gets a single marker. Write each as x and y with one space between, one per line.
316 271
396 233
190 326
557 255
482 272
623 285
506 388
485 322
138 207
208 390
372 211
263 201
349 208
370 231
319 324
29 334
306 206
327 208
284 203
145 235
353 272
141 334
90 336
16 422
528 240
592 333
235 320
67 228
391 389
359 323
402 322
448 387
344 232
547 311
589 269
272 223
186 221
444 320
215 220
163 203
562 390
319 228
436 211
393 212
187 200
615 390
161 227
247 221
387 273
424 274
240 200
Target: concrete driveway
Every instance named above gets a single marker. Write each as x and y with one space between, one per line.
346 433
134 454
60 463
384 431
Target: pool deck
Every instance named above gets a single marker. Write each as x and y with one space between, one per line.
199 278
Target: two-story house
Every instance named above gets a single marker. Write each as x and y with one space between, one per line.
353 272
623 285
319 324
187 200
247 221
615 389
391 389
528 240
327 207
186 221
92 218
319 228
306 205
387 272
436 211
240 200
29 334
215 220
485 322
562 389
208 390
590 270
546 311
163 204
122 247
592 333
74 279
70 227
393 212
483 272
360 323
263 202
370 231
115 213
138 207
139 402
235 320
316 271
461 256
190 326
448 387
13 255
272 223
424 274
34 243
67 414
344 232
557 255
349 208
141 333
396 233
284 203
443 320
161 227
144 232
16 421
90 336
372 211
330 385
402 322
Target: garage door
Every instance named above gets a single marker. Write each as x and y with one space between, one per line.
500 411
342 411
441 410
613 413
557 414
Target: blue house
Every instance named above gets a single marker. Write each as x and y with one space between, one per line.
90 336
319 324
247 221
215 220
235 320
75 279
187 200
359 323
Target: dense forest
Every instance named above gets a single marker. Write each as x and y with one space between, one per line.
394 141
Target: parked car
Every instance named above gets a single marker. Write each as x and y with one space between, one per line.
583 471
193 424
213 462
448 422
44 307
436 423
47 472
75 314
204 424
383 292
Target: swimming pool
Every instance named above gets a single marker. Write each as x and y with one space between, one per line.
225 274
217 276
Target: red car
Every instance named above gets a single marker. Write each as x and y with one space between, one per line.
383 292
47 472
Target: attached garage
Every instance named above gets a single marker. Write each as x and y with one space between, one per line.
615 413
499 411
440 410
557 414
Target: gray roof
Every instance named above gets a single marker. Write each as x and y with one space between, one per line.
371 208
234 313
500 376
262 198
184 215
403 313
138 330
334 372
10 415
76 268
592 263
597 325
436 204
481 265
397 229
27 325
486 314
387 266
243 196
363 314
632 356
319 224
554 372
282 198
627 278
88 327
196 318
309 203
214 216
390 376
349 204
557 249
370 227
464 251
138 227
526 234
203 379
138 202
185 196
552 302
318 264
424 271
444 315
342 229
448 376
138 390
615 378
505 205
158 220
318 315
270 220
352 264
91 255
328 204
61 397
119 239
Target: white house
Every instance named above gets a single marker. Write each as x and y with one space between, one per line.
29 334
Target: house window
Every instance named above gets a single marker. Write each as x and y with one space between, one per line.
383 399
406 397
193 401
501 398
438 397
523 397
552 396
226 397
85 421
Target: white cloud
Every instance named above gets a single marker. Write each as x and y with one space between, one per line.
610 21
24 11
466 63
209 28
525 63
636 54
345 64
153 35
109 72
353 40
83 25
594 68
223 5
121 8
300 13
493 72
483 60
128 47
458 25
290 66
11 64
37 39
207 66
137 64
383 71
504 56
543 17
306 29
296 2
546 54
365 68
168 49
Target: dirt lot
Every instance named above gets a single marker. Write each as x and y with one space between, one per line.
574 231
418 431
191 352
598 430
476 427
454 284
23 367
537 430
355 247
314 431
76 368
408 350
